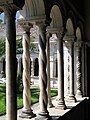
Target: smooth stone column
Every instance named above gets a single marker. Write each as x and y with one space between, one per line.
51 67
26 111
65 69
43 99
68 86
60 99
11 91
78 70
19 71
32 68
48 71
71 97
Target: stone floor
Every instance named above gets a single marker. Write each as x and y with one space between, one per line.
55 113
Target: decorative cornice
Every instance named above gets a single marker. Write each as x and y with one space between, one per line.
37 19
26 25
69 38
78 43
55 30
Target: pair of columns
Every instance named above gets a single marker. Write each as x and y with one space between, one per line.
70 87
27 111
60 98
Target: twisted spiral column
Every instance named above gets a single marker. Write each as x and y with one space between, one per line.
68 77
26 111
48 71
78 73
43 100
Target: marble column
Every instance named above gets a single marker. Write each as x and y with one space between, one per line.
26 111
68 84
19 71
48 71
11 91
60 99
78 70
32 67
51 67
43 99
71 97
66 68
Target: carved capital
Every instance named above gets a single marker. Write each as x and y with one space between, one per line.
78 44
26 25
69 38
55 30
48 35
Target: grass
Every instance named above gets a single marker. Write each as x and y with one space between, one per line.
34 97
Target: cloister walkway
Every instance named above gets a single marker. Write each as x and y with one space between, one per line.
55 113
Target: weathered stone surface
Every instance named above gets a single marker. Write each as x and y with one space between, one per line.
13 2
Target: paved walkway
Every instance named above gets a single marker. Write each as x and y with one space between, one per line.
56 113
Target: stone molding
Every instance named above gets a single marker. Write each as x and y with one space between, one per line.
55 30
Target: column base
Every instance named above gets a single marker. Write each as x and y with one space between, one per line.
78 94
71 98
60 104
50 105
27 114
43 116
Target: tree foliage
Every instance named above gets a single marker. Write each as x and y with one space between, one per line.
19 47
2 46
1 21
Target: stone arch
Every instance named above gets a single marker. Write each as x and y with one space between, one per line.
69 27
33 9
56 17
36 67
71 23
80 27
78 34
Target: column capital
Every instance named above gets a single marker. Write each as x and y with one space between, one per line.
48 35
26 25
78 44
69 38
41 22
57 31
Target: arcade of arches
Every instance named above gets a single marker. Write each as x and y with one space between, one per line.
65 20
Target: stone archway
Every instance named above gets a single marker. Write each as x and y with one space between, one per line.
33 10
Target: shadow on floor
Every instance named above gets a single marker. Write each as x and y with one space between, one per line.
79 112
